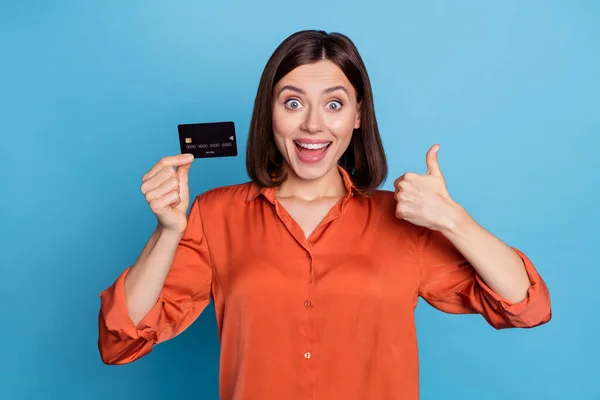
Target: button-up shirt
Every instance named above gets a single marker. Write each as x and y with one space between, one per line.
326 317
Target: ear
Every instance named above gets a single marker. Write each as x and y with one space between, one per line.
358 114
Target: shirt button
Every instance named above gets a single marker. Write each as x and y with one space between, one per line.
307 355
307 304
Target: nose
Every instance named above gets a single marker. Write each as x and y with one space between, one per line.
313 123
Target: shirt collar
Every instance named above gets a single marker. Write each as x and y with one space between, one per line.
269 193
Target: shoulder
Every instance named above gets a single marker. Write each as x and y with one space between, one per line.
383 203
381 196
383 200
224 196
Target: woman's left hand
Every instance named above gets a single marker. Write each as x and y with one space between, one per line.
424 200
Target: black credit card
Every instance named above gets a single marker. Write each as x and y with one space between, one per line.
210 139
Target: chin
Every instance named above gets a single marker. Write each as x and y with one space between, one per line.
310 173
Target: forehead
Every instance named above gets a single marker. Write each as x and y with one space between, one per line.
316 77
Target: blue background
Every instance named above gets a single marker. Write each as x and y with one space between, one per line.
90 96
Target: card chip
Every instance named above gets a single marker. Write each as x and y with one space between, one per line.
188 140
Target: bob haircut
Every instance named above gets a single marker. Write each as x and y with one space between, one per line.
364 160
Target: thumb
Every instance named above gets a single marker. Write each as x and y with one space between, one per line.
433 167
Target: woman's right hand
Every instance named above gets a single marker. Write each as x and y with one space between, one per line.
167 191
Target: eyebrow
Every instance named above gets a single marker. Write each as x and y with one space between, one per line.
297 89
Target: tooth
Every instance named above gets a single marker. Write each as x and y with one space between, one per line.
313 146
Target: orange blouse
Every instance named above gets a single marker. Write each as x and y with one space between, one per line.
331 317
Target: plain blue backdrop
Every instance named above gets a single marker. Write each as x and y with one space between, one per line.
90 97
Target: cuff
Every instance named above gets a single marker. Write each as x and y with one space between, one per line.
529 312
116 315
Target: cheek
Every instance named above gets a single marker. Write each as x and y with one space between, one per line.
283 125
342 126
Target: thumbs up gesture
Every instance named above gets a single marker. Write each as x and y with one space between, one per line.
423 199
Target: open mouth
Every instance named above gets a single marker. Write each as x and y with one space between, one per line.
311 152
312 146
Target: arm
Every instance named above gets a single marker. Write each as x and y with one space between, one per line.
451 283
497 263
159 296
464 268
145 279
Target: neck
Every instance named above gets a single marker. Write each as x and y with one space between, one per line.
329 185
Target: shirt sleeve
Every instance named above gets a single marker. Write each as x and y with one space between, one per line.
450 284
185 294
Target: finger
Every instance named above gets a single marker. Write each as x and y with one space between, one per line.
170 185
397 181
400 195
433 167
405 208
400 212
165 174
171 161
406 177
182 172
164 203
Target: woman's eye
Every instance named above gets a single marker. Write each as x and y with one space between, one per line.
292 103
334 105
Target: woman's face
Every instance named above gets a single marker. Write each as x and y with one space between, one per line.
314 114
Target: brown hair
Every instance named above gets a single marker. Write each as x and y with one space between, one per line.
364 159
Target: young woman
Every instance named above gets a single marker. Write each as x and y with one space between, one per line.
314 272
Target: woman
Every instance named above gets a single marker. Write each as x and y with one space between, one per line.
314 272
